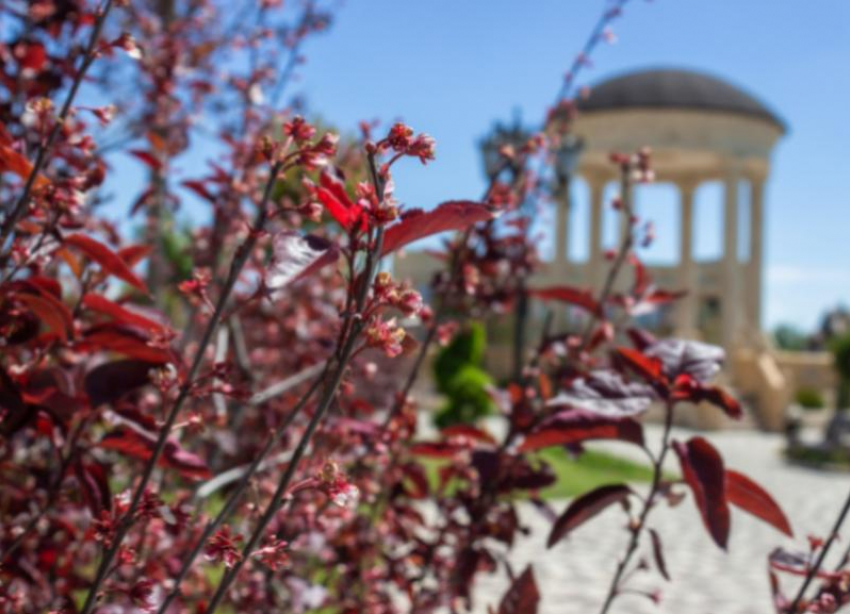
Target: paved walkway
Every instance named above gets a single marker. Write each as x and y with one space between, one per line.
574 576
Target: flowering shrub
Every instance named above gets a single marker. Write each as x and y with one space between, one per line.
234 429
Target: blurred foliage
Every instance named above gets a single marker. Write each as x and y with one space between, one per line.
841 355
791 338
809 398
459 376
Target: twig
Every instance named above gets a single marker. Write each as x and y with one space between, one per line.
344 354
292 60
648 502
244 477
239 260
596 35
44 151
284 386
622 254
813 570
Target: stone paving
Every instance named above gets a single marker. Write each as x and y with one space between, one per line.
574 576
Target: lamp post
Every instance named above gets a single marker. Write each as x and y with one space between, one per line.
493 147
565 163
497 163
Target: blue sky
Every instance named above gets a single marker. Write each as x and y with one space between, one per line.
451 67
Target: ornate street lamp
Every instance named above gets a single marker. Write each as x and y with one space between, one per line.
566 161
493 145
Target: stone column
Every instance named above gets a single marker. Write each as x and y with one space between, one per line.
686 309
755 268
562 221
596 263
730 303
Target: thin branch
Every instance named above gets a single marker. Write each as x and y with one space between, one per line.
814 569
343 356
284 386
648 502
244 477
622 254
292 60
582 59
239 260
44 151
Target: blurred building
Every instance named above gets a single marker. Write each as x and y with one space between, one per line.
700 129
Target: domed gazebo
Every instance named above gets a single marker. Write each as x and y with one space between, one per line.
700 129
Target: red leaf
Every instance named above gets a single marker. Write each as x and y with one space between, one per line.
103 305
415 225
335 199
467 430
50 310
742 492
140 445
94 485
199 188
722 399
586 507
12 161
124 340
436 449
567 294
702 468
133 254
575 426
416 485
658 553
523 597
148 158
649 368
106 258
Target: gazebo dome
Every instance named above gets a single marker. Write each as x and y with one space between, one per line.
675 89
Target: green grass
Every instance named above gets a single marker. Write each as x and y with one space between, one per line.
588 471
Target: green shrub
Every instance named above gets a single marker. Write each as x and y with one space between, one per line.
459 376
809 398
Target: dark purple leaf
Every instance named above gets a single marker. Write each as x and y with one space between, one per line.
523 597
575 426
699 360
16 412
604 392
586 507
139 444
658 554
702 468
110 381
94 484
524 476
436 449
